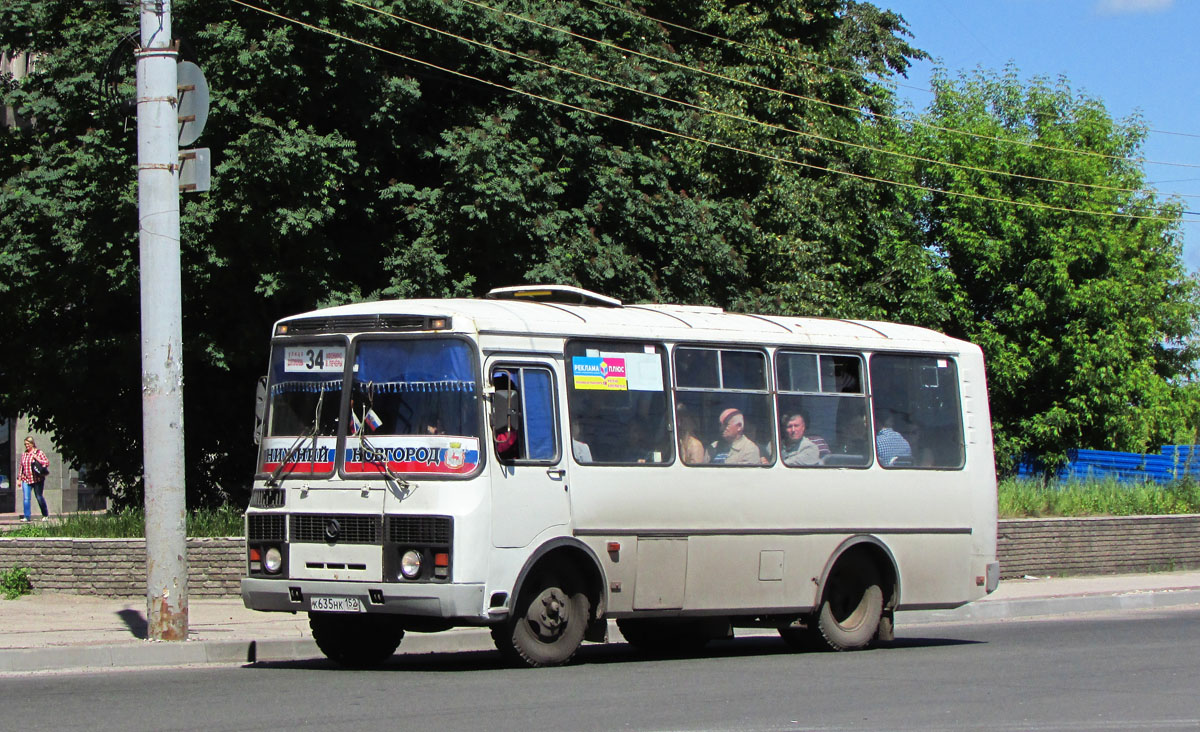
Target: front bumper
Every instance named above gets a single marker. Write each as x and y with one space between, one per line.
426 599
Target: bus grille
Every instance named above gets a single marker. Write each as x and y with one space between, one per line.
319 528
265 527
418 529
267 498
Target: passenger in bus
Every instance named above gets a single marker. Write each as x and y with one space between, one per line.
890 445
734 448
795 448
645 445
822 445
580 449
691 449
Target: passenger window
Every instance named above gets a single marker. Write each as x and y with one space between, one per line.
523 423
617 401
723 410
822 410
917 411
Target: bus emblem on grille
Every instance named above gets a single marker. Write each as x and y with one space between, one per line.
333 529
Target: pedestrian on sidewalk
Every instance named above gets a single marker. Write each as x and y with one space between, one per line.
34 468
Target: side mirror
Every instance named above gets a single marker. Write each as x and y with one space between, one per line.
506 419
260 408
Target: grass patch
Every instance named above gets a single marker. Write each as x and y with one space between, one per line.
131 524
1032 499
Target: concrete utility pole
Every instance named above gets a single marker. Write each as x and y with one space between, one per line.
162 331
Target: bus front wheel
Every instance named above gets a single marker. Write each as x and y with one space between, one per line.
548 625
850 612
356 640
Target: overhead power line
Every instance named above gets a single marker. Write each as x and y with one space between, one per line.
751 120
751 47
879 115
692 138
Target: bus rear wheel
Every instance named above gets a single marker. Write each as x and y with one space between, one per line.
355 640
548 626
850 612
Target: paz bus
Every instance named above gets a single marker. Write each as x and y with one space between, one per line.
547 459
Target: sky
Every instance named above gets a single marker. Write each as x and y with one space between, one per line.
1137 56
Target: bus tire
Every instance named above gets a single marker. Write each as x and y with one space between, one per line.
548 625
355 640
852 606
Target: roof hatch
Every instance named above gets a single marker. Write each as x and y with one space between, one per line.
564 294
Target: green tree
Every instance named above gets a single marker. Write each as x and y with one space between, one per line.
343 172
1085 316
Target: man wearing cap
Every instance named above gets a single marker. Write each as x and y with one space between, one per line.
734 448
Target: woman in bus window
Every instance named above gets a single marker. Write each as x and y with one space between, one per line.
691 449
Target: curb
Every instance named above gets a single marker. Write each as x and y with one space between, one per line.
1042 606
150 654
144 654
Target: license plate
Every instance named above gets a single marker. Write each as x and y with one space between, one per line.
337 604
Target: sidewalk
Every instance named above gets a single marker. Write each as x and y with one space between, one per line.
44 631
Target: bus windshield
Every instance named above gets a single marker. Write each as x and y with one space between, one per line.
305 398
414 407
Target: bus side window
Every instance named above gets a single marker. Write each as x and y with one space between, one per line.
618 401
917 411
723 406
523 415
821 396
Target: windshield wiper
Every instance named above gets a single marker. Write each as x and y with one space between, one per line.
365 444
311 433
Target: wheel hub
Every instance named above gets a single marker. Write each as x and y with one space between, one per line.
549 612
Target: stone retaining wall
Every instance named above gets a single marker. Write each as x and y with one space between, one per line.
1098 545
117 567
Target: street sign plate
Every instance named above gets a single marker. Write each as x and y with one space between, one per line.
194 170
193 102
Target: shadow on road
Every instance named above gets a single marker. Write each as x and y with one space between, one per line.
600 653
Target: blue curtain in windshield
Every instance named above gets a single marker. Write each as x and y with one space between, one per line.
539 414
415 366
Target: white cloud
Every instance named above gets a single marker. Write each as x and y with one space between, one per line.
1116 7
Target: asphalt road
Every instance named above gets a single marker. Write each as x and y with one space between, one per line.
1102 671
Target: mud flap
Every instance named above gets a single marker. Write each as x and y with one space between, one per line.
597 631
887 627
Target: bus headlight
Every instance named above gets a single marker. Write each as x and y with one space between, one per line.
410 564
272 560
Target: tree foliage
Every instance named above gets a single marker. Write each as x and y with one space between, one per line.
1086 318
425 148
409 167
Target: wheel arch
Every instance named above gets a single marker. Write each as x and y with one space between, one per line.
575 556
878 552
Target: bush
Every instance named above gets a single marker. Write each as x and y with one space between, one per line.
130 523
15 582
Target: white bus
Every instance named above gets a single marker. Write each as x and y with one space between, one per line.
547 459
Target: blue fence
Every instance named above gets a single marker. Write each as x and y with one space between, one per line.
1173 462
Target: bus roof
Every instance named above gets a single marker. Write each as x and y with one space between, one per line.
576 316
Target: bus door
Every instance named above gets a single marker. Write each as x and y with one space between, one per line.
529 475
